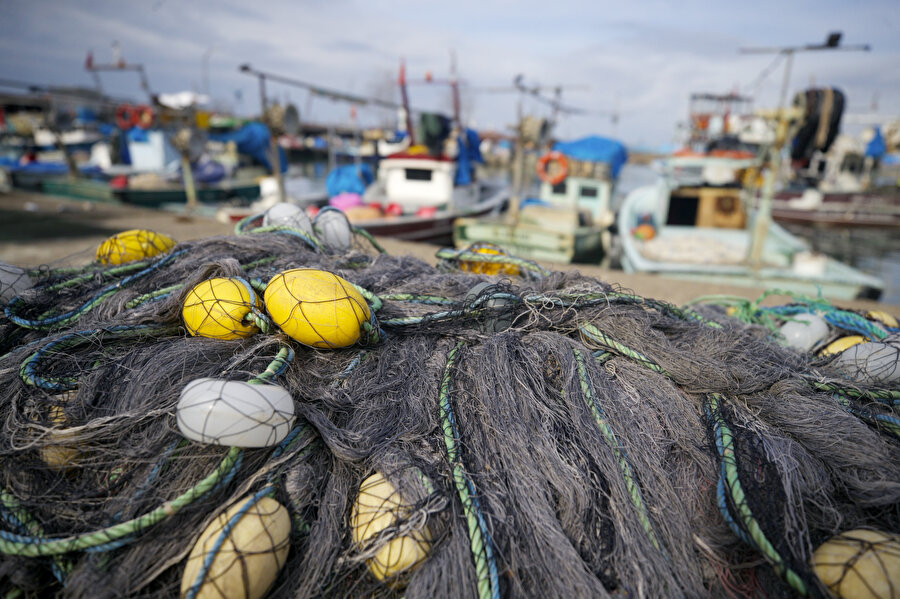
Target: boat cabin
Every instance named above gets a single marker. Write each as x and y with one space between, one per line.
414 182
587 195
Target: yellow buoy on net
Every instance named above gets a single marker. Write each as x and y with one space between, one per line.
217 308
839 345
488 268
862 564
316 307
136 244
244 564
380 506
883 317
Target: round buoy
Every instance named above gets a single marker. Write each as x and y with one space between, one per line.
135 244
316 307
804 331
234 413
379 506
284 214
333 230
872 363
859 564
217 308
240 553
13 281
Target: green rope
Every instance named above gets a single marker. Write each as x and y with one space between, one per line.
634 490
373 299
284 357
260 319
594 334
124 529
368 237
725 447
454 256
885 396
479 542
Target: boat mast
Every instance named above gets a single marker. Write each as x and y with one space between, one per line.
404 97
783 119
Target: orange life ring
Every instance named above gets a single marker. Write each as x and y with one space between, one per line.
562 168
124 116
143 116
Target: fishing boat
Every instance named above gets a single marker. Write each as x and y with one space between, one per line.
706 233
570 220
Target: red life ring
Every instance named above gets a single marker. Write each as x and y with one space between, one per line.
143 116
124 116
562 168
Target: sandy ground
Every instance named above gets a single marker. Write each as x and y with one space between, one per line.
37 229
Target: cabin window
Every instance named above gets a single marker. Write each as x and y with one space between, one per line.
682 210
418 174
559 188
589 192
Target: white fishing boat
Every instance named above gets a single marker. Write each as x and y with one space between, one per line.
706 234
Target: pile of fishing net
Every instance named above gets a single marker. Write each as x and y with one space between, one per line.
289 412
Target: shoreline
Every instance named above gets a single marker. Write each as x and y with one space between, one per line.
38 229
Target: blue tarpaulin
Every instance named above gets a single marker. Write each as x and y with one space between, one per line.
876 148
469 155
348 179
253 140
595 149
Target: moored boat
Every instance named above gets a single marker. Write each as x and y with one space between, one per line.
704 234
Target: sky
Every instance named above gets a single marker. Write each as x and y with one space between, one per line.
639 59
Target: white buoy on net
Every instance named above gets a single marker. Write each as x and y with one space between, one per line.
13 281
333 230
235 413
804 331
284 214
873 363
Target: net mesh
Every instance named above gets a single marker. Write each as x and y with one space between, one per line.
545 434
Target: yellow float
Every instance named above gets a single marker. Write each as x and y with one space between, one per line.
839 345
217 308
135 244
249 559
488 268
862 564
883 317
380 506
315 307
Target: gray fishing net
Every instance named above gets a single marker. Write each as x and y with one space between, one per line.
517 434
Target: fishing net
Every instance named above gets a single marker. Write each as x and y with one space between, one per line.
167 431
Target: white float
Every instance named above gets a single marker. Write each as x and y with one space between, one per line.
333 229
235 413
804 331
871 363
284 214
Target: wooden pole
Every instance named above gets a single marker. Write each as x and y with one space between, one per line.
187 176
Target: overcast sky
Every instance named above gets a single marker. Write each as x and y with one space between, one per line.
640 58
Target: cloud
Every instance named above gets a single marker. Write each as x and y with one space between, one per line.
642 59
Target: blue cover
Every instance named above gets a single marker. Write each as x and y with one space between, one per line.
253 140
596 149
876 148
469 155
349 179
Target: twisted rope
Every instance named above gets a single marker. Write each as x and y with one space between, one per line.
488 583
729 480
634 489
